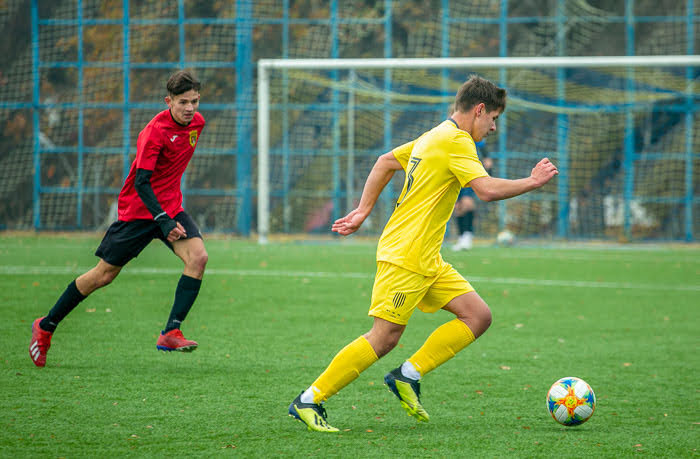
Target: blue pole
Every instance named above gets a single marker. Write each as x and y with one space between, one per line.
387 197
629 154
126 116
244 112
181 54
81 116
444 73
503 119
689 114
181 30
337 202
562 131
286 183
445 45
35 115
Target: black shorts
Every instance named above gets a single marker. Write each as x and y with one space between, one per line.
125 240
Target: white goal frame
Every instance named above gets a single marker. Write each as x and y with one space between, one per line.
265 65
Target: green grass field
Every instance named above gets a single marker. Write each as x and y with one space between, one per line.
270 318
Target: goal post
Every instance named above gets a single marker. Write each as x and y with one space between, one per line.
553 110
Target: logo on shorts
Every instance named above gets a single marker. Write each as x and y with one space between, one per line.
399 299
193 138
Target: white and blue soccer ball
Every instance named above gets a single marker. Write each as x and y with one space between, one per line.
571 401
505 238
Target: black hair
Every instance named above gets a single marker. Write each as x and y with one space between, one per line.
477 90
182 81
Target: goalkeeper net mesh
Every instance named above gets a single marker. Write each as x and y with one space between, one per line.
619 136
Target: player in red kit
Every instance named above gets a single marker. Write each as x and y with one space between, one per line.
149 207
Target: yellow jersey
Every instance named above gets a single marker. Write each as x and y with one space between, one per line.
438 164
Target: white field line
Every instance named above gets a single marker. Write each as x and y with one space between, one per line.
572 253
556 251
68 270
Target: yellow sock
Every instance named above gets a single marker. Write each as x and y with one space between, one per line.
443 344
347 365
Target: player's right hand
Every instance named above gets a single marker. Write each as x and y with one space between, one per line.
350 223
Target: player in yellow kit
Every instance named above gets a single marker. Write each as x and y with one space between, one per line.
410 270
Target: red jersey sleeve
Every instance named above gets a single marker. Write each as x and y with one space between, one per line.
148 147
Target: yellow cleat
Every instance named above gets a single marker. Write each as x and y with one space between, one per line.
408 392
311 414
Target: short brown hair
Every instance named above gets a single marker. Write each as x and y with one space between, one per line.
477 90
182 81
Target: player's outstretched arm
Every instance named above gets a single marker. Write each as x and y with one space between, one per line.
381 173
495 189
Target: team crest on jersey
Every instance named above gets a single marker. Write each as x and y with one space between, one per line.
193 138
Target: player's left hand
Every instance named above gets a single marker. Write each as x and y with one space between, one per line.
350 223
543 172
177 233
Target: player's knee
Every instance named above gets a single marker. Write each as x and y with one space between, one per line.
198 261
486 316
477 317
201 259
481 319
106 278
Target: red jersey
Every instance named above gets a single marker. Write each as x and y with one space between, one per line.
164 147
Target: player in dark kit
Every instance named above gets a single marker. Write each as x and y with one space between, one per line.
149 207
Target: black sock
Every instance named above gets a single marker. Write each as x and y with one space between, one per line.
185 294
465 222
65 304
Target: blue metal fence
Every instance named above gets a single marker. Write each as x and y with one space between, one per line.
247 17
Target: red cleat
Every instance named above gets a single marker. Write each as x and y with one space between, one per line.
41 342
175 341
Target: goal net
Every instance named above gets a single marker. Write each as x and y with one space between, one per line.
620 129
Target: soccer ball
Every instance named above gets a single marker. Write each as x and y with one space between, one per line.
571 401
505 237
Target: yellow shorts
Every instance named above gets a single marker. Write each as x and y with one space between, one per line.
397 291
